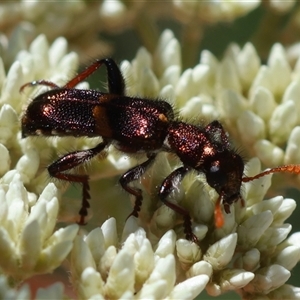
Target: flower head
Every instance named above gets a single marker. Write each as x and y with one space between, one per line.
28 244
103 268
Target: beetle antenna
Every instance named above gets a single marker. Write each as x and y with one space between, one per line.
295 169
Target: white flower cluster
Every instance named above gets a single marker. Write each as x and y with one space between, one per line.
213 11
81 21
101 270
258 103
267 118
250 254
28 244
247 253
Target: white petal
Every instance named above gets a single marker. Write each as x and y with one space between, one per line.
256 189
199 268
250 261
233 104
10 94
49 192
166 244
57 51
227 76
30 245
2 72
153 290
262 102
90 284
288 257
268 279
168 52
251 127
121 275
207 58
291 94
263 79
8 257
162 278
183 89
190 288
107 260
3 208
169 78
149 85
248 63
53 256
143 262
8 125
38 213
272 204
163 219
220 253
273 236
202 208
39 49
131 225
17 202
280 69
232 279
250 231
81 257
54 291
292 153
269 153
294 239
285 210
285 292
67 66
110 234
96 243
52 208
187 252
283 120
4 160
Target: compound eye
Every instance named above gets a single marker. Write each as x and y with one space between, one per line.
214 168
215 177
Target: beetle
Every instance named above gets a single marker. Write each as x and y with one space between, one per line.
136 125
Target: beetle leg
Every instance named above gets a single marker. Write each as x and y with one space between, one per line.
166 188
134 174
69 161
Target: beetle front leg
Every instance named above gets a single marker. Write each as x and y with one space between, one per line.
70 161
166 188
